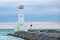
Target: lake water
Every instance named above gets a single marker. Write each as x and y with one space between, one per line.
4 32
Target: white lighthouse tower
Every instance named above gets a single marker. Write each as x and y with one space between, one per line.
20 26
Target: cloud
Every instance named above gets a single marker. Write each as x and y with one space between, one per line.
46 25
8 25
42 10
41 6
30 2
36 25
5 1
8 7
43 2
38 7
8 2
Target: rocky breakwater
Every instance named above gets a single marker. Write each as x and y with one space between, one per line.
38 35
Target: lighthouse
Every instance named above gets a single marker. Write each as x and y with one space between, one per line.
20 15
20 26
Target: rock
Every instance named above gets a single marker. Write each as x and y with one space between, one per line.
37 35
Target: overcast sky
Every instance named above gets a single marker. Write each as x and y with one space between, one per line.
34 10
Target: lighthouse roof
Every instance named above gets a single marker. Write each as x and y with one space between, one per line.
21 7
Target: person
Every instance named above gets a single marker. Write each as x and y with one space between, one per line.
31 26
